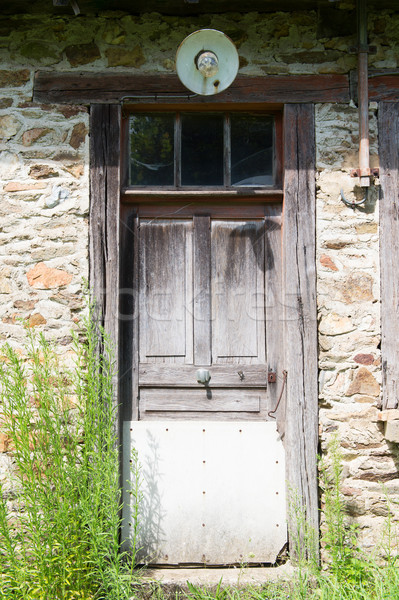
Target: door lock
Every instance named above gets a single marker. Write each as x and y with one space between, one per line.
203 376
271 377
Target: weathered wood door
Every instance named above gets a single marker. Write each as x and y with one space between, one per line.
204 287
209 300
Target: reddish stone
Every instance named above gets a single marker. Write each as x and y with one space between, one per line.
15 186
77 169
78 135
364 383
36 319
364 359
327 262
350 491
32 135
12 319
4 442
358 287
42 277
14 78
71 111
42 172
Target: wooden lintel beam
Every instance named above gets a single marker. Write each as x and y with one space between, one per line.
86 88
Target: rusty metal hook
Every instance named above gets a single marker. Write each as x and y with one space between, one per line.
272 412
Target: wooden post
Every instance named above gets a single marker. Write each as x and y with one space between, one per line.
104 225
388 122
300 322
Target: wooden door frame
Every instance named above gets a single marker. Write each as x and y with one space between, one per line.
112 231
388 137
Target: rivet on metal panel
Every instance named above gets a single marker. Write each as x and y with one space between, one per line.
240 430
166 429
203 524
203 431
277 525
204 461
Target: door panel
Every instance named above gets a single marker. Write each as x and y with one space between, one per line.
166 332
238 291
213 493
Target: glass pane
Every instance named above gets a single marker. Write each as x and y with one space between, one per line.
202 149
251 150
152 149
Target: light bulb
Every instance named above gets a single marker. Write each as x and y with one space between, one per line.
207 63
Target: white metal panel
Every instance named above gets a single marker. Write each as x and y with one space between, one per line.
213 492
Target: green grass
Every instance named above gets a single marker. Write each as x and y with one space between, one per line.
59 531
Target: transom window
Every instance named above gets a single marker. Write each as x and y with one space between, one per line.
193 149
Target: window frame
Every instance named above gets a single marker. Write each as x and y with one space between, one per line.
263 193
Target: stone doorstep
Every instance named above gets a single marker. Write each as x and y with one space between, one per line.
172 578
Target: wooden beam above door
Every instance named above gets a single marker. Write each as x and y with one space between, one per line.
86 88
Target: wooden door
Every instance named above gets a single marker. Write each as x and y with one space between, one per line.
212 461
208 298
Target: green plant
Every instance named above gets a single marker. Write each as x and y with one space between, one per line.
346 559
59 530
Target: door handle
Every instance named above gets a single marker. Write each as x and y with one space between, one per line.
203 376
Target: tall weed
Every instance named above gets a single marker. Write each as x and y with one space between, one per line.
59 525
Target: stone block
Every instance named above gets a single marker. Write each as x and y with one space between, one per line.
78 135
82 54
42 277
327 262
42 172
33 135
364 383
14 78
391 414
36 319
16 186
391 431
9 126
364 359
125 57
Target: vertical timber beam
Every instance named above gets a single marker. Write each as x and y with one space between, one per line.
300 324
388 132
105 123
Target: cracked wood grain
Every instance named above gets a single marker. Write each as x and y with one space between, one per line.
300 316
389 247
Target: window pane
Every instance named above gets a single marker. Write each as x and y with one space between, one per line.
251 150
202 149
152 149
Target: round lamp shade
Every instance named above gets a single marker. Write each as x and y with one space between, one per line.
207 62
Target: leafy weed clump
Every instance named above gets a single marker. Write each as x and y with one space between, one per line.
59 524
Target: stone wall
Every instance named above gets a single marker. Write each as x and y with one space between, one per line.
45 197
